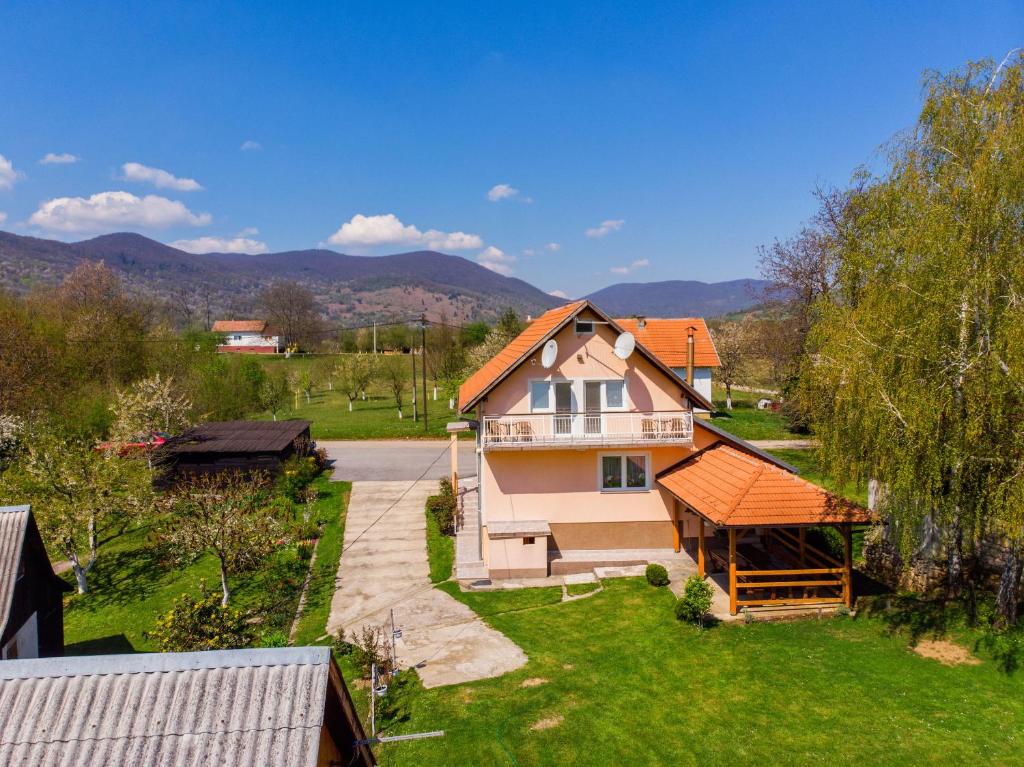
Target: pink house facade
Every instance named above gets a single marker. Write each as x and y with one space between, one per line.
569 453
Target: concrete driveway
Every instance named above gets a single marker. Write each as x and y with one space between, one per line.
394 459
384 568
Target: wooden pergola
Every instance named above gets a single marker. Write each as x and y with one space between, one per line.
745 492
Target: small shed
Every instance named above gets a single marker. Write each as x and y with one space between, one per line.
287 707
31 595
234 446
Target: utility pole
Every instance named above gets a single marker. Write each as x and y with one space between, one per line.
412 354
423 347
375 336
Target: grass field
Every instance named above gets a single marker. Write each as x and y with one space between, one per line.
745 420
440 551
131 586
615 680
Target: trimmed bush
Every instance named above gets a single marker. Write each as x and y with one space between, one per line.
656 575
695 602
443 506
201 624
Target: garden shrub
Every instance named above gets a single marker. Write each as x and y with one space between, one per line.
695 602
372 648
656 575
341 645
275 638
443 507
201 624
296 476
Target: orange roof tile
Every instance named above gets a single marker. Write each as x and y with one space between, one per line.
732 488
239 326
518 347
666 337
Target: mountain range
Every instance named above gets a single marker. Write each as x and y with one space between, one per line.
349 288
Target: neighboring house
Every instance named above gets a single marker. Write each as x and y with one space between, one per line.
252 336
287 707
669 340
31 596
590 462
233 446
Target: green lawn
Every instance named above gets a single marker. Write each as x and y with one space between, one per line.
622 682
745 420
131 585
440 551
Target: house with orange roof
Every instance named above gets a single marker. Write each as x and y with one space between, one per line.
589 456
249 336
683 343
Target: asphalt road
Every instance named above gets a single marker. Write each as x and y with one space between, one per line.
397 460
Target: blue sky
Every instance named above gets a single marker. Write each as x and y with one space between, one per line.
679 136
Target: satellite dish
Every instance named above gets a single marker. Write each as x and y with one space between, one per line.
547 357
624 345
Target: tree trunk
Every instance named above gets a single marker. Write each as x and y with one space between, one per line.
81 577
1008 596
350 406
400 416
451 403
728 396
955 558
274 414
307 398
224 584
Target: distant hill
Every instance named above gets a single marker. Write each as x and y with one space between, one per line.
680 298
348 287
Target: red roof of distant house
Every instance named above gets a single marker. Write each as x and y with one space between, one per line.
530 339
667 337
732 488
239 326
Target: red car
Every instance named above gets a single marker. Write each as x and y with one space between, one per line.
137 444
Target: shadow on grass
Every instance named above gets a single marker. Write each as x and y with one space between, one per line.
122 578
115 644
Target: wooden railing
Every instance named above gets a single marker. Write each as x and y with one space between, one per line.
810 579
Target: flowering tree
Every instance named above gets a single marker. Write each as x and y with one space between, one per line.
76 491
149 405
229 516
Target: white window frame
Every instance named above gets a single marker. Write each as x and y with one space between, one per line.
604 395
576 327
551 395
622 455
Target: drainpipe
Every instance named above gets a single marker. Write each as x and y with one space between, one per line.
689 354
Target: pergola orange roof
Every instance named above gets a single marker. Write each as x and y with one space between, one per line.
667 337
731 488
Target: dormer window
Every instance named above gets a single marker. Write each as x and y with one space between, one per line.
584 327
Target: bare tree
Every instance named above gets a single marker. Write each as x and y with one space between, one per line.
732 339
292 310
393 373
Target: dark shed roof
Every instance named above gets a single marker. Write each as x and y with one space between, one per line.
237 437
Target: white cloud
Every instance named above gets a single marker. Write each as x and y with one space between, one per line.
221 245
502 192
251 146
110 211
529 252
554 247
496 260
64 158
633 266
387 229
249 231
161 179
3 216
558 293
607 227
8 175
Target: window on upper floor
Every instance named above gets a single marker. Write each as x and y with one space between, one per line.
584 326
626 471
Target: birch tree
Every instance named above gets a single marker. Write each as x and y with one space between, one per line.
916 364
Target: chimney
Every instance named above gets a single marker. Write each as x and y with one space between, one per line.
641 321
689 354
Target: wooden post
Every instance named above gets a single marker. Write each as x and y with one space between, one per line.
848 565
732 571
700 546
676 543
803 545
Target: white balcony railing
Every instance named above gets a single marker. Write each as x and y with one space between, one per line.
541 430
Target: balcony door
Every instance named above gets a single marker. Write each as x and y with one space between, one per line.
563 407
592 407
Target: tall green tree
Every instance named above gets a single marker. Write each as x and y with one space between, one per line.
915 375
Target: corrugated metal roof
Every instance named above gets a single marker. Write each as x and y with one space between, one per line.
732 488
236 437
667 338
231 707
13 524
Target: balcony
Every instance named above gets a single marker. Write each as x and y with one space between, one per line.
604 429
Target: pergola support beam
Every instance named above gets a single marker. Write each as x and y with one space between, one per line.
732 571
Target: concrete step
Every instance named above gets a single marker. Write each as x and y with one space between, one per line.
471 571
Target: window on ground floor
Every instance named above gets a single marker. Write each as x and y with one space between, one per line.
627 471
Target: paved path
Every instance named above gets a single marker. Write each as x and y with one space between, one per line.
784 444
384 567
390 459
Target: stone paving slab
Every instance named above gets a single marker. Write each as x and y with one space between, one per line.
384 567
